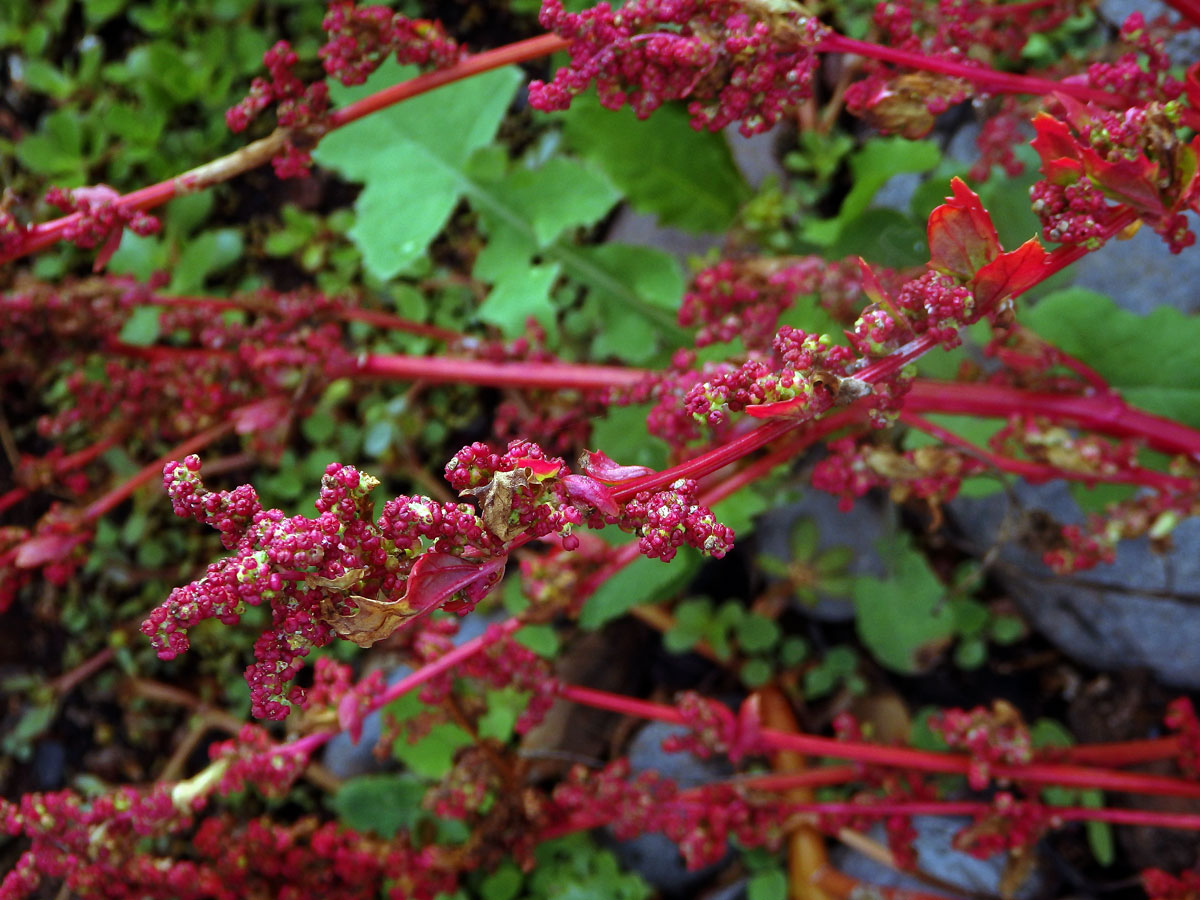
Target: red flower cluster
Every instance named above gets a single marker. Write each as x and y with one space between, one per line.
739 62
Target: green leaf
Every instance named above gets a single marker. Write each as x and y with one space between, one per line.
142 327
382 804
637 291
755 673
756 634
503 884
686 178
1151 360
541 639
522 293
558 195
870 168
433 755
56 150
1099 834
411 159
642 581
902 619
768 885
204 255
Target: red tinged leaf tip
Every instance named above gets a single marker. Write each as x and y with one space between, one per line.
962 238
1010 273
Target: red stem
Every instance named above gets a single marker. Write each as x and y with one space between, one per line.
1037 473
988 79
1189 9
503 374
122 492
521 51
905 757
1104 413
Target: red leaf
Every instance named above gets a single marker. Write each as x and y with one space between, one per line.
591 492
598 465
46 548
437 577
962 238
1054 140
541 468
1010 273
780 409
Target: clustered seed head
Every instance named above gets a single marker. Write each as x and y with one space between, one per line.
715 729
737 62
1161 885
360 39
806 368
700 821
995 736
1011 824
667 520
101 216
1181 719
1072 213
745 299
1143 74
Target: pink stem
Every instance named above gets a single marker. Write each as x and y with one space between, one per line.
1106 413
986 79
48 233
505 374
121 493
1189 9
411 682
905 757
1037 473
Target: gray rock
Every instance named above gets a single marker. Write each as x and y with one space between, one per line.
654 856
1141 611
1141 273
938 858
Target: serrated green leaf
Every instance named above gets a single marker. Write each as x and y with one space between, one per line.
686 178
411 159
903 617
1151 360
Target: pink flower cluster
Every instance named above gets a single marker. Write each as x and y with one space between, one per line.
805 368
735 299
738 62
102 218
360 39
995 736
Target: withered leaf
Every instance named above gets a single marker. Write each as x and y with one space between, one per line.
435 579
496 500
